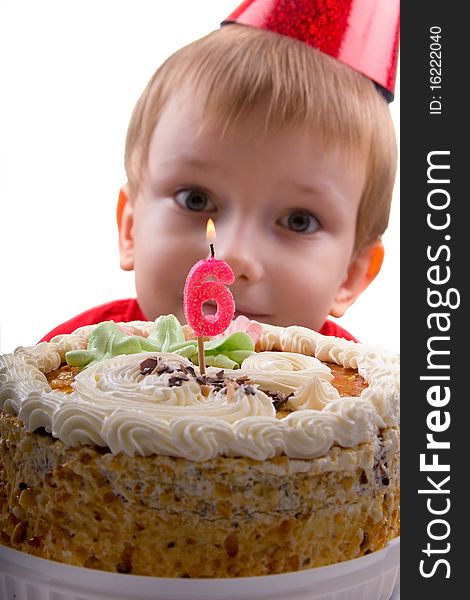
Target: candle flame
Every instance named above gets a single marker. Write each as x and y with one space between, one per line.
210 231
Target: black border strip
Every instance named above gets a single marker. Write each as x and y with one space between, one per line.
434 232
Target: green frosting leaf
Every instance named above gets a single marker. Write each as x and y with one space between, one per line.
236 341
228 352
187 350
221 362
107 340
239 355
167 332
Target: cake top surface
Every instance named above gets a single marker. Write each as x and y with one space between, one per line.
137 389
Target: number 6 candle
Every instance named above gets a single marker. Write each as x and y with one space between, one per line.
207 280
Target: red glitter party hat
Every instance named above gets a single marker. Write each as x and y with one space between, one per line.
362 34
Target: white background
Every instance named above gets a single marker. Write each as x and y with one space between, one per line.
70 74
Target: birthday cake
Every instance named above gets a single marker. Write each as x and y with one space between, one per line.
117 454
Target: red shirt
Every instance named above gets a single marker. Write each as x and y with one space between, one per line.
129 310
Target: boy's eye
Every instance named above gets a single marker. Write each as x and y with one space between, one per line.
195 200
300 221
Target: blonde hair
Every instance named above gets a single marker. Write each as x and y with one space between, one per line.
236 67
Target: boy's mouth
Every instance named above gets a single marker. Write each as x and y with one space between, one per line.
210 308
250 316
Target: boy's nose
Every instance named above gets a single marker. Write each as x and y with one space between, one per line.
238 249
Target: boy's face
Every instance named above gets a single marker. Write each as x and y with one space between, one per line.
285 210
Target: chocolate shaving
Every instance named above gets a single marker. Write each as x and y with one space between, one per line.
163 368
156 365
215 382
279 399
183 373
249 389
277 396
148 365
177 380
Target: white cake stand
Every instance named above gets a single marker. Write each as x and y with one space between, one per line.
371 577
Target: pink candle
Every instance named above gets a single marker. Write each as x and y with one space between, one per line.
199 289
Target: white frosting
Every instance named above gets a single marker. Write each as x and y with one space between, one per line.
114 405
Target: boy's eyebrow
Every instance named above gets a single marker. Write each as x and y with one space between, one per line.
307 189
302 188
191 161
320 191
194 161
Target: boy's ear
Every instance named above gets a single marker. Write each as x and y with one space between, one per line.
362 270
125 222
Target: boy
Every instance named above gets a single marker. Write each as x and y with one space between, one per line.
288 150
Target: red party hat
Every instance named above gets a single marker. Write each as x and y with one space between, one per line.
362 34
